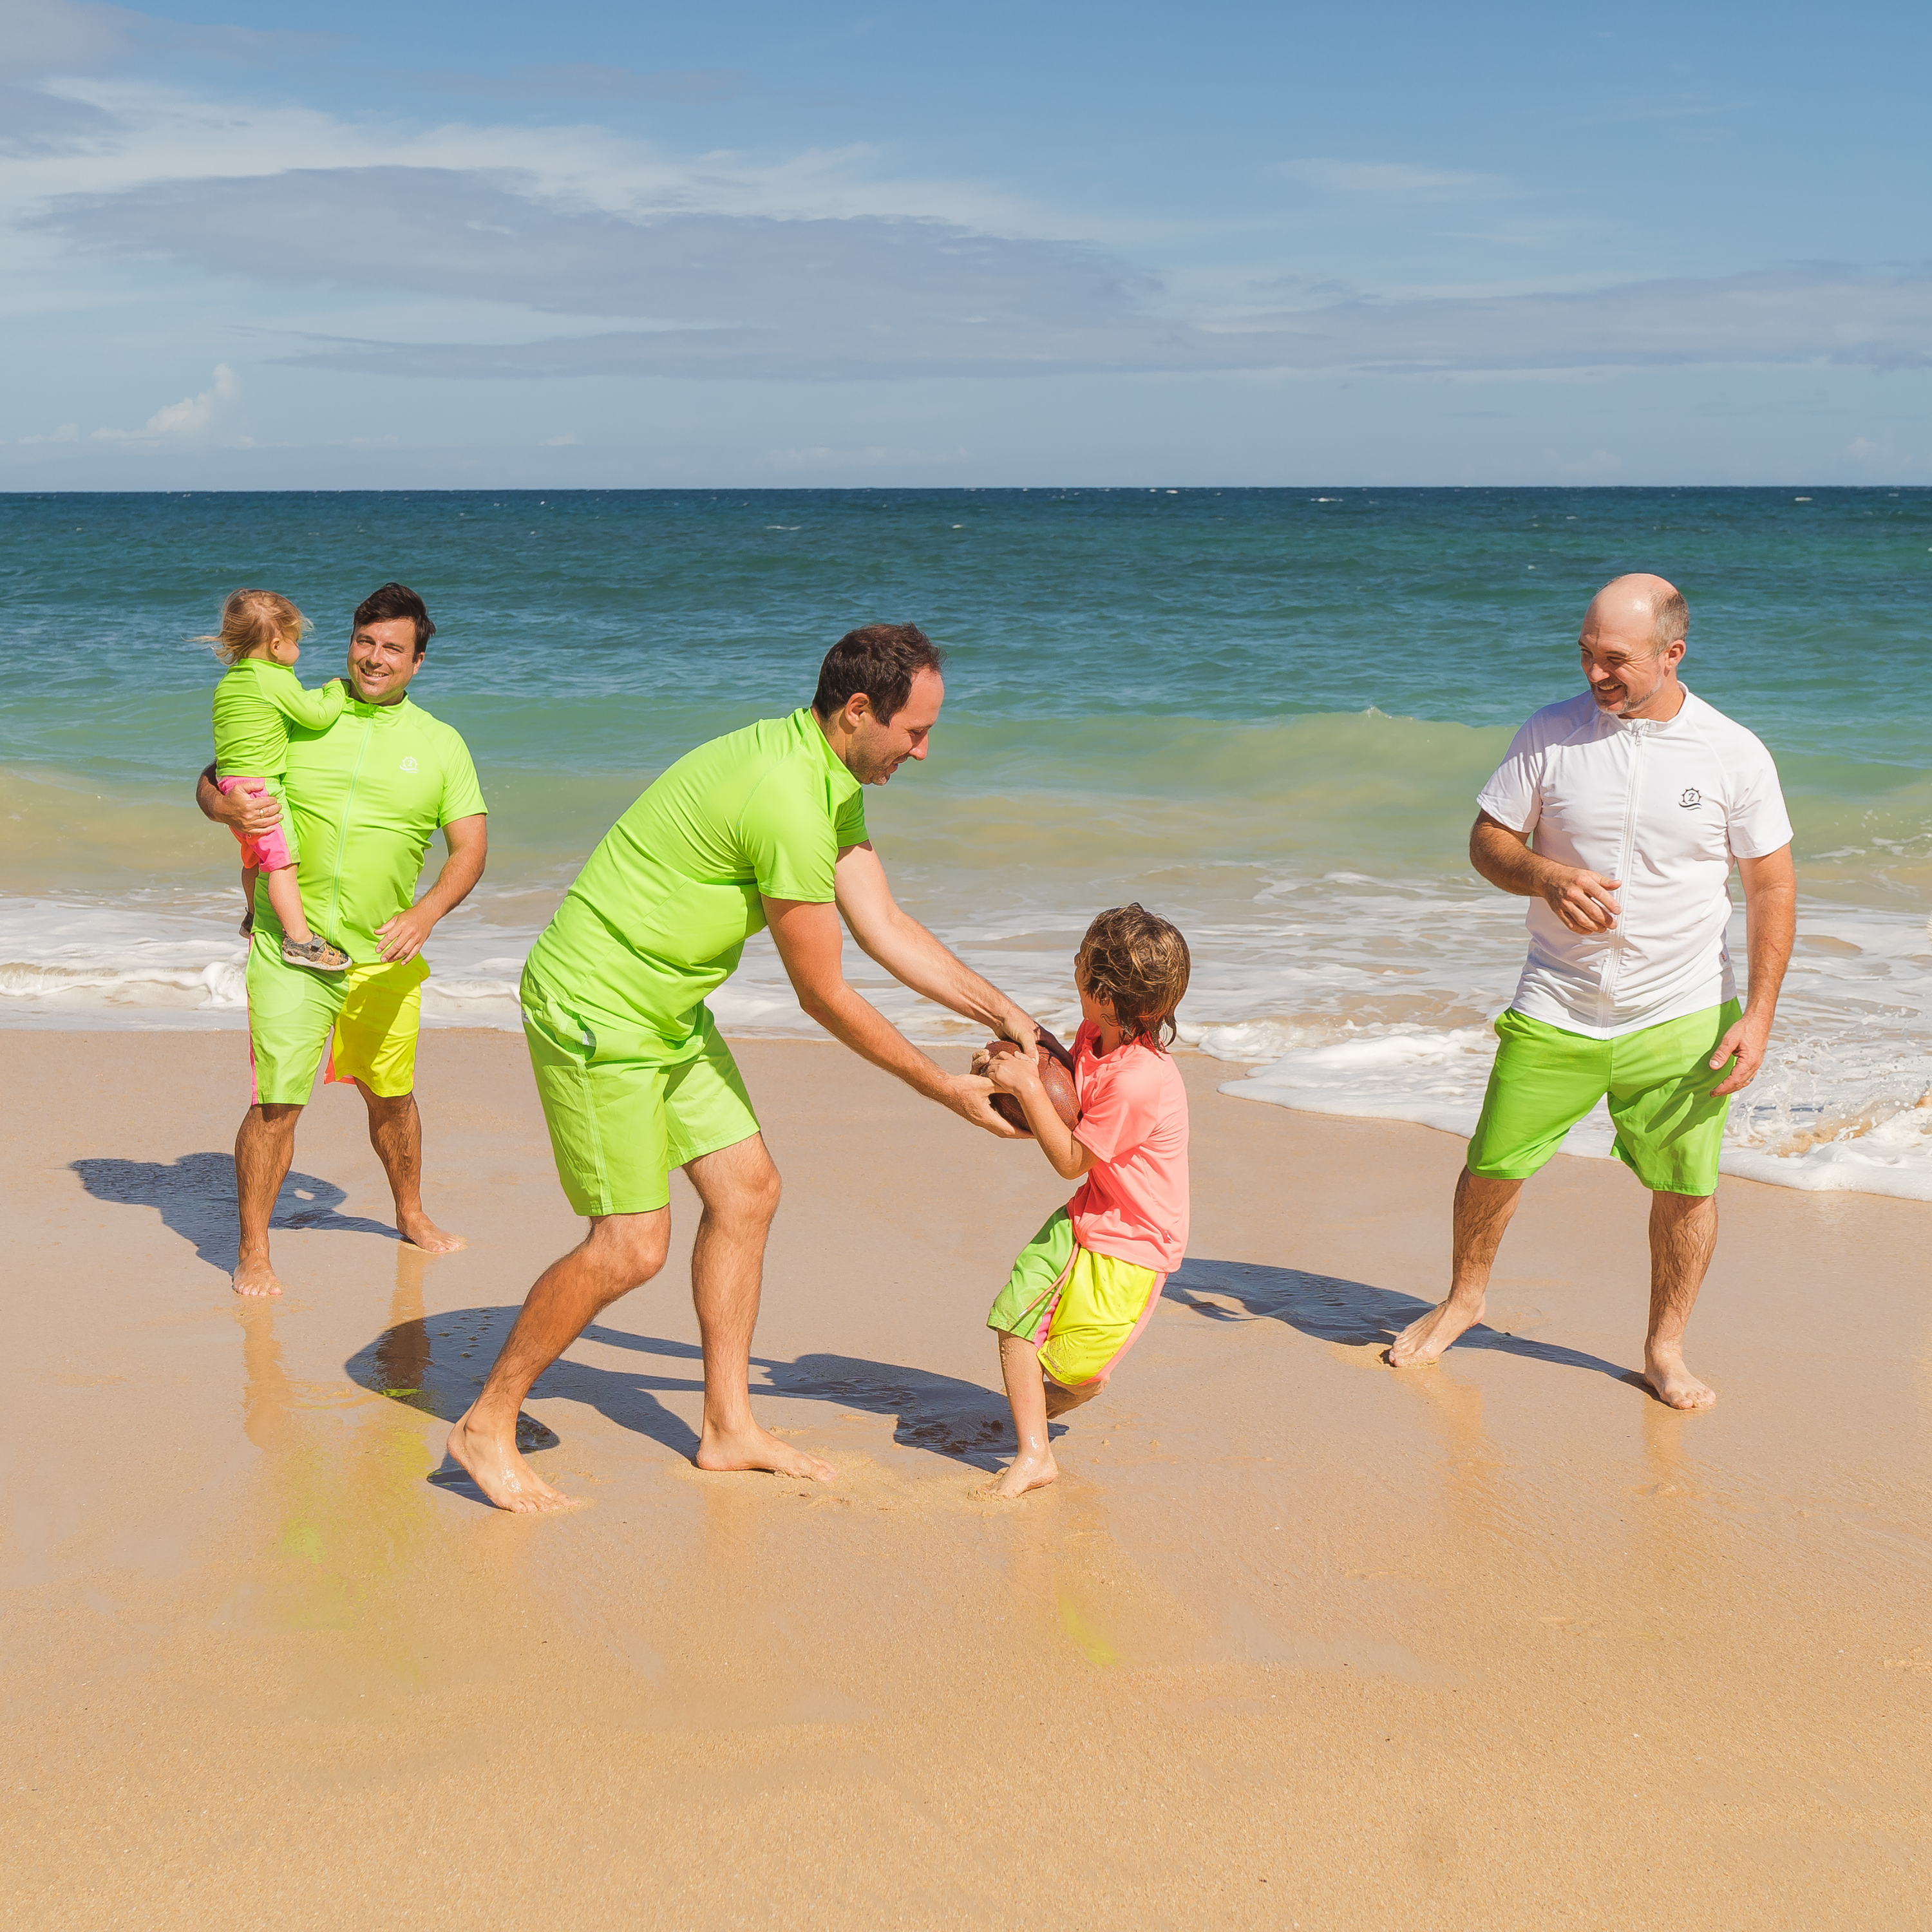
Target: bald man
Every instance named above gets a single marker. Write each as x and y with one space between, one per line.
1618 814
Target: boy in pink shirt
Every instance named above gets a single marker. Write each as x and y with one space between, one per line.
1084 1286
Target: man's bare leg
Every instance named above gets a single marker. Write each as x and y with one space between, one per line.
739 1186
1033 1467
395 1132
263 1149
1483 1211
620 1252
1683 1237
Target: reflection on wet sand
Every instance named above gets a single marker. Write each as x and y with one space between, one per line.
345 1511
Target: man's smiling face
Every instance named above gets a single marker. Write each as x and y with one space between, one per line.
383 658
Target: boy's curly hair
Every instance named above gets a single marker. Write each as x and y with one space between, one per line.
1139 965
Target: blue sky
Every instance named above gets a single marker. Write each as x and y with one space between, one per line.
488 245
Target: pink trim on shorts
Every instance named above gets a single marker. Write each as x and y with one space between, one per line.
267 851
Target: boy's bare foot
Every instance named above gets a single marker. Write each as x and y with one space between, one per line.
420 1231
1425 1339
254 1277
501 1474
1676 1386
750 1448
1022 1474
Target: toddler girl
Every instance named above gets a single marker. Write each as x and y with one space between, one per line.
258 698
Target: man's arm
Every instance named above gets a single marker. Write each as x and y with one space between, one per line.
404 936
1582 900
897 941
1771 924
252 812
810 941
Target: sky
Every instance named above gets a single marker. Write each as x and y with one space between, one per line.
273 246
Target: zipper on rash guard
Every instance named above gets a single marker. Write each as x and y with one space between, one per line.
1626 859
342 826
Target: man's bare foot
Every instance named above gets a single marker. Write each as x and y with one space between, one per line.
1676 1386
1022 1474
501 1474
254 1277
1424 1340
751 1447
420 1231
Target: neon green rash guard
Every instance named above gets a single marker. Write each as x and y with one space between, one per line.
659 915
367 794
255 703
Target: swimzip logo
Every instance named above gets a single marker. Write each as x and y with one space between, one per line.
1692 798
410 765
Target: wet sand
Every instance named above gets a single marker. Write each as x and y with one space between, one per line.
1295 1641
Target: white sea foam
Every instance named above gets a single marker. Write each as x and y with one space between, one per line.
1344 994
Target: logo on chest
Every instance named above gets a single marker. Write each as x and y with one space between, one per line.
1692 798
410 765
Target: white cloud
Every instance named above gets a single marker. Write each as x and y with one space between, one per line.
1393 181
188 421
40 38
562 442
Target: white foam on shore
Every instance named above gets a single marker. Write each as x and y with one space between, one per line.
1344 994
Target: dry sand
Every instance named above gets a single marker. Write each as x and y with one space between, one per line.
1296 1641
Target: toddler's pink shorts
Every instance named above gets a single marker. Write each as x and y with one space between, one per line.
270 852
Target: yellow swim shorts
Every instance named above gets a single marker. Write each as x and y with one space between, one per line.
1081 1310
366 1019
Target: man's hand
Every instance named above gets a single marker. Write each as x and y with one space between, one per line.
1584 900
406 935
1747 1039
969 1095
251 809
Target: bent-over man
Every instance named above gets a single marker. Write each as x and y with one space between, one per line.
764 827
1619 813
367 794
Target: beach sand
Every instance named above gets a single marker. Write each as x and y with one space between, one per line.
1295 1642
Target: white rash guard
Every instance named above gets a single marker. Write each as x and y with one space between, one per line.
1664 807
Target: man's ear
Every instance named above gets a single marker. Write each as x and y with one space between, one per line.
857 706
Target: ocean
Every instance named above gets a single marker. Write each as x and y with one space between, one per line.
1263 713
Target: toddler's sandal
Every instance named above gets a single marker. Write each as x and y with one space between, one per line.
318 955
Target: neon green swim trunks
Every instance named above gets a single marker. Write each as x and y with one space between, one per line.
1658 1080
1081 1310
621 1114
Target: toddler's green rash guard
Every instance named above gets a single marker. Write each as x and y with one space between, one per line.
660 913
367 794
255 703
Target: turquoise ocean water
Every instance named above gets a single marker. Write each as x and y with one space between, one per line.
1264 712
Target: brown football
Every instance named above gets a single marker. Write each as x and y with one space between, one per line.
1056 1075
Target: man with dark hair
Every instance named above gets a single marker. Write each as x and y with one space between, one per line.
764 827
367 794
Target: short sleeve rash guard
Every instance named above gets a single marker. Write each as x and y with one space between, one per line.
659 917
1664 808
1133 1204
367 793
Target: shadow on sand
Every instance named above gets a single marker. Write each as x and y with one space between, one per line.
437 1364
195 1196
1350 1312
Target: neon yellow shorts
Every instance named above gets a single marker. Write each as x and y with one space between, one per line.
1670 1132
620 1116
366 1019
1081 1310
